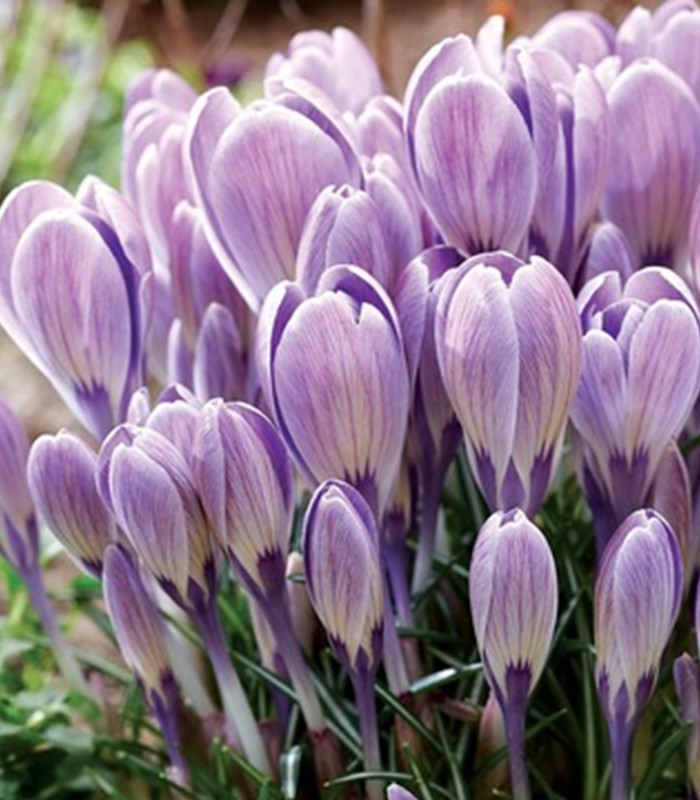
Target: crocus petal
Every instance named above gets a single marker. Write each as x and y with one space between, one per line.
61 475
148 507
341 557
513 594
71 297
655 161
471 142
262 185
219 368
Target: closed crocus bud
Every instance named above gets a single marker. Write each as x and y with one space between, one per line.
61 474
671 496
608 251
344 578
141 636
337 63
655 162
19 535
513 594
347 418
470 142
344 226
508 343
55 249
581 37
251 173
343 573
244 477
220 366
686 677
639 380
637 598
147 484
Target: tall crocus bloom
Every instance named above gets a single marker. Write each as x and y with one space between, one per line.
338 64
508 343
637 598
347 417
148 485
61 474
19 536
655 162
244 476
251 174
141 636
344 575
640 378
434 433
75 294
513 594
470 142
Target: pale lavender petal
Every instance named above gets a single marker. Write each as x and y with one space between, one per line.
655 161
262 185
582 37
220 367
608 250
341 559
471 142
70 295
61 474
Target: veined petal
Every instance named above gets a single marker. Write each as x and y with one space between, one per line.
262 185
71 297
471 142
664 377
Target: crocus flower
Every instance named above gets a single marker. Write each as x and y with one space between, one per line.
509 348
655 161
637 598
470 142
251 174
581 37
513 594
61 474
608 251
19 537
75 294
396 792
244 476
141 636
640 378
337 63
148 485
344 226
347 417
343 572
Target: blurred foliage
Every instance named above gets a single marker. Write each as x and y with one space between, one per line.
61 95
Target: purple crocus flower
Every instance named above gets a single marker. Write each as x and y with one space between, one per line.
640 378
141 636
75 287
251 174
19 537
334 372
509 348
581 37
470 141
513 623
344 226
147 483
336 64
344 578
637 598
655 161
434 433
61 474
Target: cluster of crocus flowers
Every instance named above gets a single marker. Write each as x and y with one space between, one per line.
341 289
